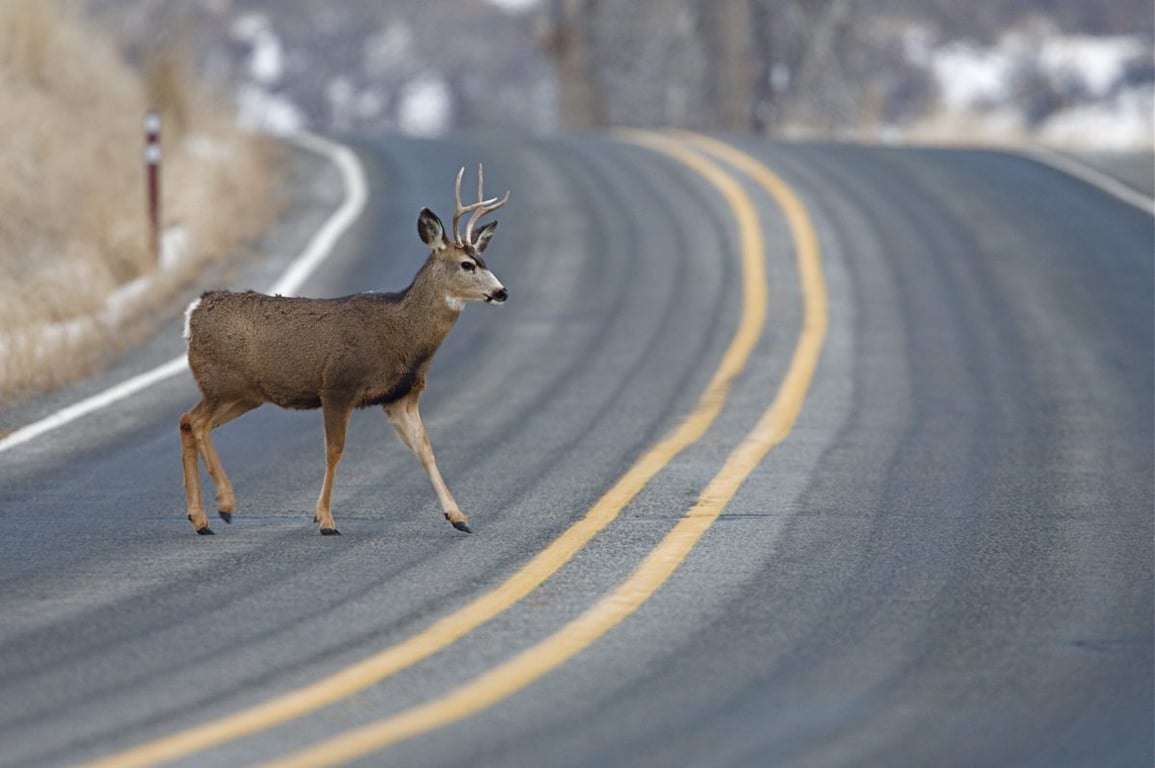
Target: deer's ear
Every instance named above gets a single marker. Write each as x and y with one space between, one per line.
431 230
481 236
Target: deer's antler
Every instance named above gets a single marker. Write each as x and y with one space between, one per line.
479 209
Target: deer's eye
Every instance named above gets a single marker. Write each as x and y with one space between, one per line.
468 266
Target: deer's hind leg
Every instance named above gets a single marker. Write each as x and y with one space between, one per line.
220 415
190 423
195 428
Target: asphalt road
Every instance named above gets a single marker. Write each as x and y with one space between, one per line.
946 561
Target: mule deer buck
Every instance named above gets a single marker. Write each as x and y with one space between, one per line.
247 349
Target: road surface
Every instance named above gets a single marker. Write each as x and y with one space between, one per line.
942 555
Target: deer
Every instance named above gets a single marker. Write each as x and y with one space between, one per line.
246 349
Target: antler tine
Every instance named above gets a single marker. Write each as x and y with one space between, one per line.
483 205
460 209
490 206
481 201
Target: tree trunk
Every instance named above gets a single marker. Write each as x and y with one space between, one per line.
568 40
727 34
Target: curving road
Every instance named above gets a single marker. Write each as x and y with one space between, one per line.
944 559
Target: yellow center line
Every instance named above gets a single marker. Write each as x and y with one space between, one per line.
772 427
452 627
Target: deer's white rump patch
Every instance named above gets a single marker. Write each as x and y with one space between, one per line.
188 316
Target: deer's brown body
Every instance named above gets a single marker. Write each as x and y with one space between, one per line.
291 352
246 349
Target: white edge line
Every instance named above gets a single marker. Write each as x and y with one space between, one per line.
1095 178
317 250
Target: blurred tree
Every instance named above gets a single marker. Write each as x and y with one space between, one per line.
807 65
682 63
727 36
568 38
826 94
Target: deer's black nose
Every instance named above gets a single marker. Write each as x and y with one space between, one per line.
499 295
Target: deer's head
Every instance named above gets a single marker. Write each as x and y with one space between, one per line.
464 274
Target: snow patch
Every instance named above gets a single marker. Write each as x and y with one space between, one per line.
174 247
1067 89
426 107
262 110
514 6
266 60
969 76
259 106
1098 63
1122 122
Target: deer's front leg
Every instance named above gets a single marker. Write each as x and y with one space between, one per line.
336 416
406 419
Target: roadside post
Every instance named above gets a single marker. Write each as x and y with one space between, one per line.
152 158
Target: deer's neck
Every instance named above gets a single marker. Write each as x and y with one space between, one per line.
427 301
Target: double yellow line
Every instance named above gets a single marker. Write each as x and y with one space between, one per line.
515 674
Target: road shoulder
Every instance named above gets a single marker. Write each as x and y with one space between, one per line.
311 189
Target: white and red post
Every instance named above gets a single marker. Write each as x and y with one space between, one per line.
152 158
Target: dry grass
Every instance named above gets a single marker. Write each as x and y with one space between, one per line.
72 214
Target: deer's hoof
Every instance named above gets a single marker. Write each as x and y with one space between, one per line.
461 526
330 532
227 517
206 531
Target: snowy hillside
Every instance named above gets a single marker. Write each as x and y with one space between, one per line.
1073 90
875 70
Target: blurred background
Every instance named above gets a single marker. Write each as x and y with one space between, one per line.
1066 72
